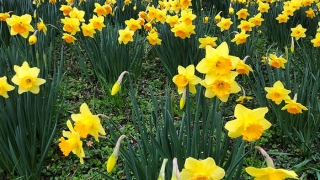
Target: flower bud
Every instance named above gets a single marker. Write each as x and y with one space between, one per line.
32 39
162 170
112 161
116 87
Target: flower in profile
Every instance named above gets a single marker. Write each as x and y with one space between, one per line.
4 16
162 170
240 38
316 40
243 99
224 24
298 32
26 78
270 173
68 38
97 22
108 8
41 26
293 107
5 87
125 36
217 18
205 20
100 10
207 41
65 9
112 160
186 77
242 13
20 25
153 37
276 62
249 124
86 123
133 24
201 169
116 87
217 61
88 29
282 18
277 93
221 86
73 143
71 25
243 68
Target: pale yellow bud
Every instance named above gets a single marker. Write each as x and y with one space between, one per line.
32 39
112 161
115 88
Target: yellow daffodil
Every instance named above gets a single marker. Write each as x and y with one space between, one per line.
108 8
257 19
133 24
187 17
71 25
207 41
125 36
240 38
161 16
153 38
243 68
277 93
310 13
231 10
293 107
97 22
68 38
316 40
224 24
276 62
73 143
41 26
289 10
245 25
5 87
217 18
298 32
116 87
186 77
249 124
185 3
32 39
263 7
4 16
243 99
270 173
242 14
65 9
78 14
217 61
183 30
26 78
88 29
112 160
282 18
201 169
100 10
172 20
205 20
86 123
20 25
221 86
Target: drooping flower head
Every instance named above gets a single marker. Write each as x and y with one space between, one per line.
86 123
277 93
20 25
249 124
201 169
186 77
26 78
68 38
42 26
5 87
293 107
240 38
73 143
